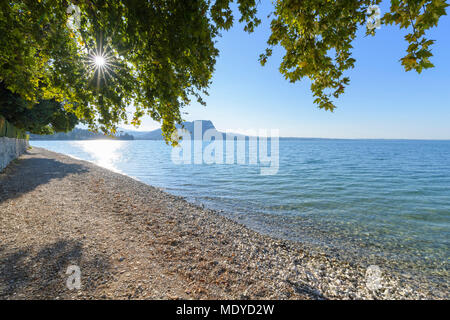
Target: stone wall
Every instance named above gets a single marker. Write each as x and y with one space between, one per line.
10 149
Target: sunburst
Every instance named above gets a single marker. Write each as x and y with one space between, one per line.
100 64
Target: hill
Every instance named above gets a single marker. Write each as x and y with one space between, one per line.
188 125
80 134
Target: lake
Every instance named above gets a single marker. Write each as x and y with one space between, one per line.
384 201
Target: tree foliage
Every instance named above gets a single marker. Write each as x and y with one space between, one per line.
161 54
317 36
46 117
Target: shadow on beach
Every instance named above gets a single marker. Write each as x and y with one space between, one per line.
25 174
24 271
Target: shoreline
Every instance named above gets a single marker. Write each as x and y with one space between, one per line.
133 240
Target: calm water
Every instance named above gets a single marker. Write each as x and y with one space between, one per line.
384 201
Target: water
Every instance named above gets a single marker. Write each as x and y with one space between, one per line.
387 202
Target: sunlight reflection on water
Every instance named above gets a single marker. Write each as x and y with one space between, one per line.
105 153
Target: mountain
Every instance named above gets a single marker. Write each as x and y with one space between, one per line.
188 125
84 134
80 134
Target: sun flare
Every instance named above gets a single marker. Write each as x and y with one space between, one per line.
99 61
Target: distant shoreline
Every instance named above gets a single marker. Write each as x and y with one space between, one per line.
281 138
134 240
193 128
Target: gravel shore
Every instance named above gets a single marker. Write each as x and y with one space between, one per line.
134 241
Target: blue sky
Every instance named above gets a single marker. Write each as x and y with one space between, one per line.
382 100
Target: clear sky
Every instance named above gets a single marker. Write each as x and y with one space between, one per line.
382 100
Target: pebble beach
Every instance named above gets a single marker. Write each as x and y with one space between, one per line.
134 241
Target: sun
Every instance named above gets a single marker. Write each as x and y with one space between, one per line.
99 61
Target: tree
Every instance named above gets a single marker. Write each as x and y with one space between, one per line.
46 117
317 36
159 55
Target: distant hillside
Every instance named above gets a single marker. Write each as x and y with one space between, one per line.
79 134
189 126
84 134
